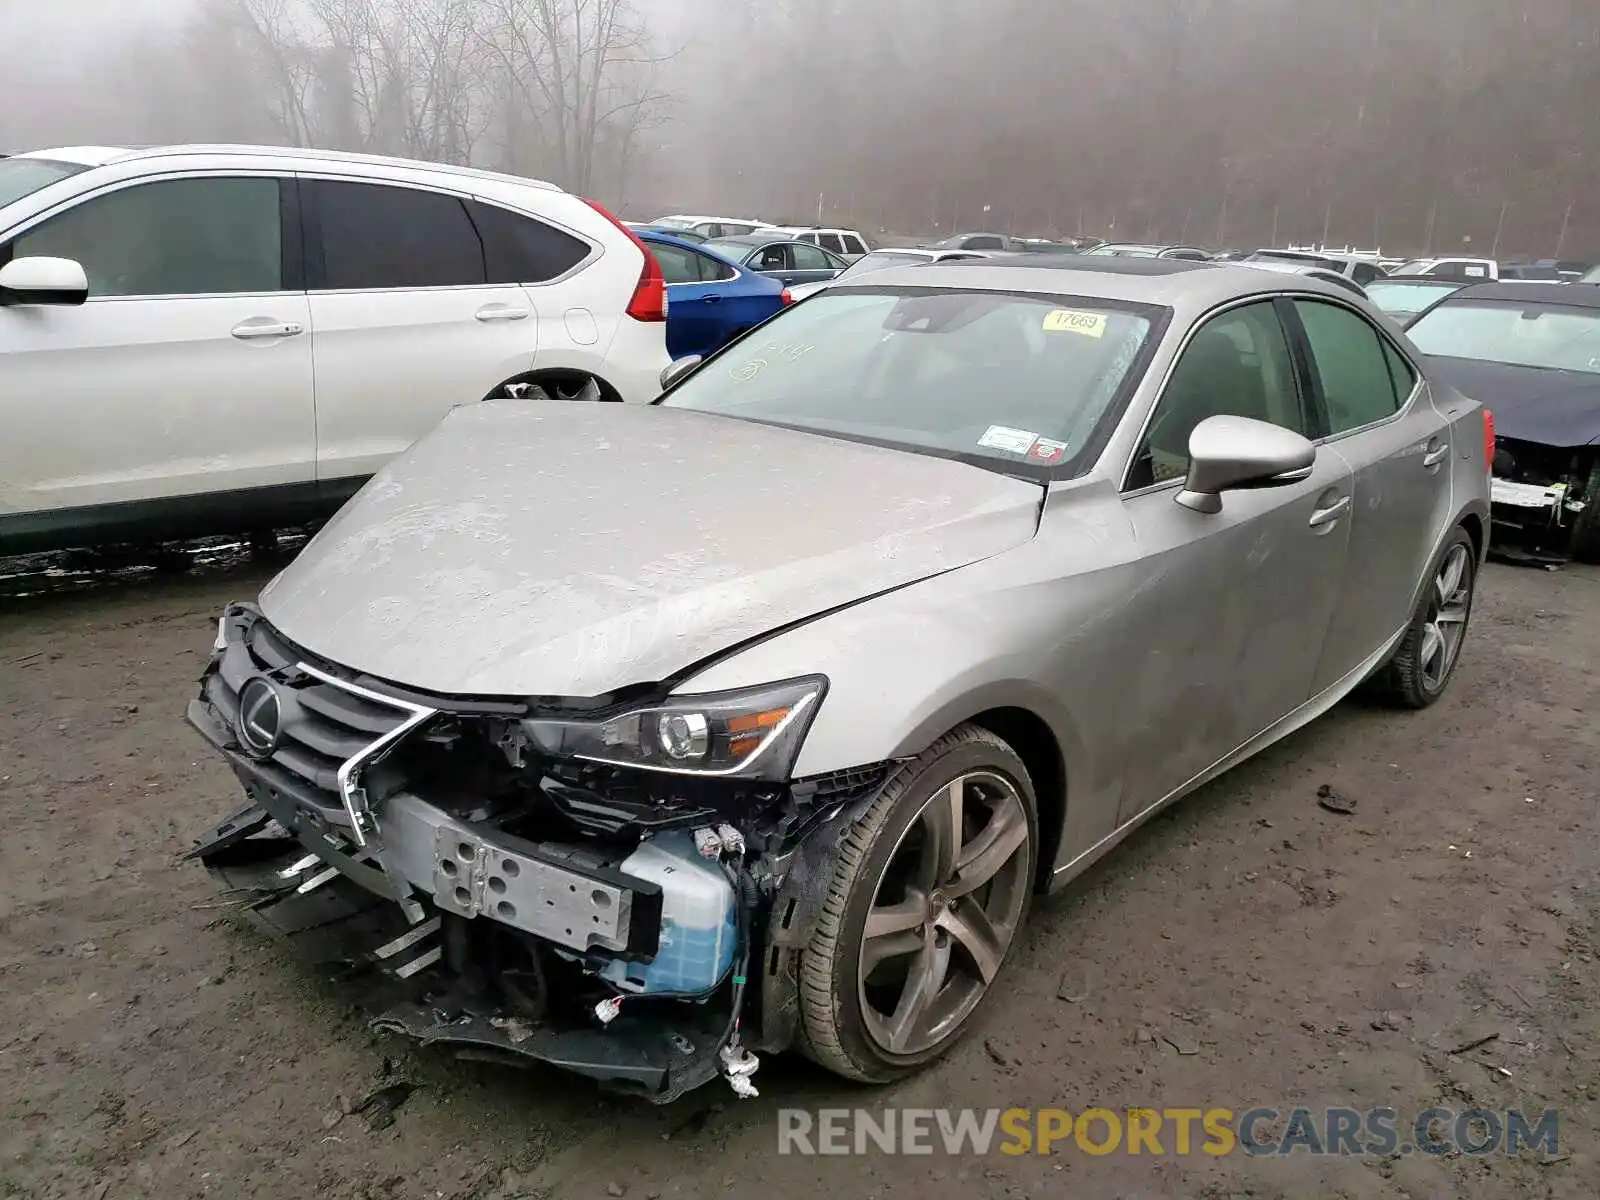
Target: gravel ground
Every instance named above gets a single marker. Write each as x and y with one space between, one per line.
1249 948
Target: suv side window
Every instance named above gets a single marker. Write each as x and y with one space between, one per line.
854 245
983 243
1365 273
830 241
172 237
1237 364
1347 355
519 249
376 237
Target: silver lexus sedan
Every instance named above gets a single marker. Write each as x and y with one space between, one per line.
648 740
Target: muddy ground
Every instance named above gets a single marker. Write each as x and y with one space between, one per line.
1248 948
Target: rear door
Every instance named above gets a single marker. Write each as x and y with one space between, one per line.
1382 422
701 307
405 323
187 372
812 264
1232 610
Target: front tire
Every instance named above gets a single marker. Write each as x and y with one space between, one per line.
929 891
1426 660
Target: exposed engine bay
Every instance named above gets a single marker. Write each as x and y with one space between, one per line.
1546 501
636 926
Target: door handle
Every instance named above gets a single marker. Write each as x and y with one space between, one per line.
1330 514
267 329
1435 456
712 298
500 312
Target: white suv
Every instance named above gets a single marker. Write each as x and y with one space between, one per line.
200 339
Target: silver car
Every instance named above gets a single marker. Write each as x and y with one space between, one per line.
647 740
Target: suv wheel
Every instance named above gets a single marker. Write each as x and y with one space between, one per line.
1426 661
557 385
929 891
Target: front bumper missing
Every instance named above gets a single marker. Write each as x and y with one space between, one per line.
415 985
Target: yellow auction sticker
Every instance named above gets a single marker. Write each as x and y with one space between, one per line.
1066 320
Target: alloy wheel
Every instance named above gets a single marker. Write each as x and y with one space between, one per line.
944 913
1445 627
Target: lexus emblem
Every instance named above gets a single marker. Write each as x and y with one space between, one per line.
260 717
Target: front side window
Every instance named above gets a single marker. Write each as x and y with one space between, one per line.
774 258
1348 357
172 237
830 241
1237 364
1518 334
1004 381
376 237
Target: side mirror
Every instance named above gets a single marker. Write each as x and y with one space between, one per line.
1239 452
678 368
43 281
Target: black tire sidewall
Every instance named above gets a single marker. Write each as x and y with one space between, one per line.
927 780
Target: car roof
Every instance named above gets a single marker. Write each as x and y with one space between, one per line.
1194 287
1430 280
1530 291
100 156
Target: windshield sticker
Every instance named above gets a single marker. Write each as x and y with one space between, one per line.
1067 320
1047 451
1013 441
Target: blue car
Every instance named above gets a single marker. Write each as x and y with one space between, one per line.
710 300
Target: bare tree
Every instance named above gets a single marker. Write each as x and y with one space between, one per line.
582 75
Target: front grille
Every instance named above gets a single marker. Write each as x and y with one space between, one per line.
322 726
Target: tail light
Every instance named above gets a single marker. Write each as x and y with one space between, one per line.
1488 441
649 301
786 299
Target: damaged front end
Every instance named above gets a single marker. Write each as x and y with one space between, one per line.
1545 501
518 877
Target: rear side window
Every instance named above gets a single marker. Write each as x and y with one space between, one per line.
677 264
519 249
1365 273
174 237
714 269
1400 373
376 236
854 245
1351 360
810 258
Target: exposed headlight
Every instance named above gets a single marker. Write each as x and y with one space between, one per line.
751 734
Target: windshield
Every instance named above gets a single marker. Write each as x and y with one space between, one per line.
1516 333
1293 256
991 378
1395 296
672 222
878 260
1111 251
20 176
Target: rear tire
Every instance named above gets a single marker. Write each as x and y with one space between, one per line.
1426 659
943 862
1585 544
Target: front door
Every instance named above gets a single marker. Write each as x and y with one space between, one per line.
186 373
1230 609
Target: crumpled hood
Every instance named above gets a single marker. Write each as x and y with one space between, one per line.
571 549
1551 408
